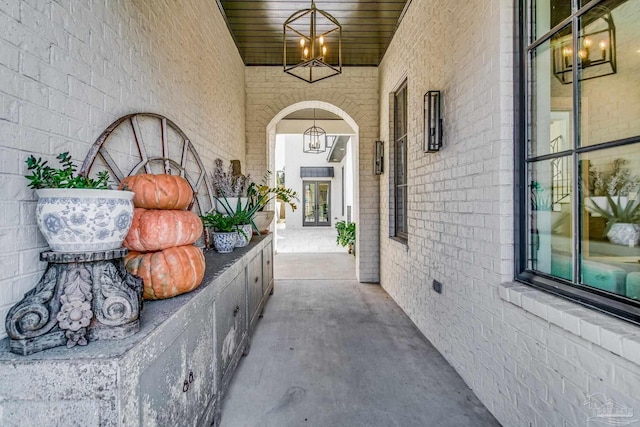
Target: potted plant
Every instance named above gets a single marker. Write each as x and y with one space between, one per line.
346 235
621 221
77 213
231 189
224 230
261 194
244 223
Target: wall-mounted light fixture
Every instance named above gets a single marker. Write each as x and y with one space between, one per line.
432 122
312 41
596 48
378 166
314 139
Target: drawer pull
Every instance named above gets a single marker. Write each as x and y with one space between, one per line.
257 278
185 386
268 261
236 310
190 376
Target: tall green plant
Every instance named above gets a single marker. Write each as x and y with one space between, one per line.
346 233
261 194
241 214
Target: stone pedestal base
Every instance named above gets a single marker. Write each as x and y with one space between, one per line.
81 297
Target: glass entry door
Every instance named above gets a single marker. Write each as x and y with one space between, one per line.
316 203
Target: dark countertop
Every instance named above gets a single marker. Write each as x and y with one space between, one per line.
153 314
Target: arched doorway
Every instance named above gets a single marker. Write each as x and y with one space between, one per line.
354 164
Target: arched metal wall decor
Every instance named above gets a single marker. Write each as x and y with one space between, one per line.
160 146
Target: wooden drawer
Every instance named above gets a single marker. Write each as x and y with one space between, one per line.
231 322
267 268
175 389
254 288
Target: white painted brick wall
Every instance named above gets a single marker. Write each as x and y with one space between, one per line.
70 68
532 362
270 90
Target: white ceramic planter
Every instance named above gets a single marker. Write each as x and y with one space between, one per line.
624 234
244 239
84 220
233 204
224 242
263 220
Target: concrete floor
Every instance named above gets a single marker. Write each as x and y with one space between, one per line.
334 352
307 239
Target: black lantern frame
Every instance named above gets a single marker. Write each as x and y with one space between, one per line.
379 158
307 33
432 121
596 48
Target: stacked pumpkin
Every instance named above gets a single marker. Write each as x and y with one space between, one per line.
162 234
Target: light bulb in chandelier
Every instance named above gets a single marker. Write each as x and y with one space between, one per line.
603 48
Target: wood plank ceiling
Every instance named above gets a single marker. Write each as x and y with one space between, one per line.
367 27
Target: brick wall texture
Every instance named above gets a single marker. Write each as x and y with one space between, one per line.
70 68
527 371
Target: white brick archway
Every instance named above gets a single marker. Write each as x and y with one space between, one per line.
353 95
321 105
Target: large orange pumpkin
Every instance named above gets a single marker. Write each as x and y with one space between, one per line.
167 273
159 191
154 230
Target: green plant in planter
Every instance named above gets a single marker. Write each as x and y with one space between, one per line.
261 194
219 222
44 176
617 213
71 215
540 201
346 233
241 214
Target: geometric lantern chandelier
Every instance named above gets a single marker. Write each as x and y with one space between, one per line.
314 139
596 47
312 41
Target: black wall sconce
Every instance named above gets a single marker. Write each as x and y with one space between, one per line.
596 48
379 158
432 122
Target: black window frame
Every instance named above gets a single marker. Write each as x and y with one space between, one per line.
400 180
591 297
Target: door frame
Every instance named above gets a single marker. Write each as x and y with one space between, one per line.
316 183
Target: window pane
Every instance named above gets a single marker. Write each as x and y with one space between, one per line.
401 206
611 220
547 14
550 103
401 188
400 155
550 219
610 72
400 113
